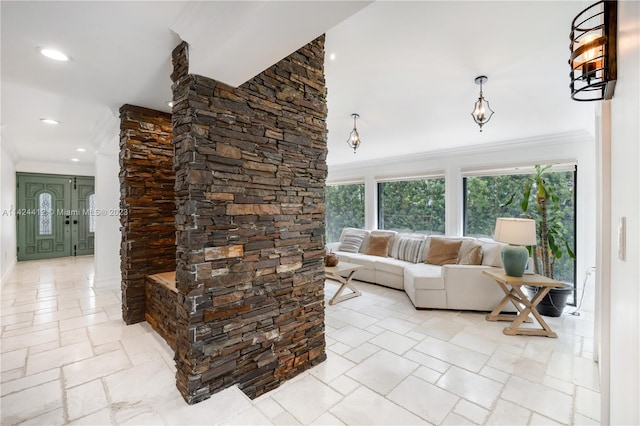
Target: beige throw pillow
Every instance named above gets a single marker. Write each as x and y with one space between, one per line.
473 256
443 251
379 245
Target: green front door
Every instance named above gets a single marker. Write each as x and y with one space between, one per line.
83 220
54 216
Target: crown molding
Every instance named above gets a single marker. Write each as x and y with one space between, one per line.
540 141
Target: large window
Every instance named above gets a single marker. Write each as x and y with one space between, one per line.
488 197
412 206
344 208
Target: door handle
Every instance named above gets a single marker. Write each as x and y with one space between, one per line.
66 222
75 222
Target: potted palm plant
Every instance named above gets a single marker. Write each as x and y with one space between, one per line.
552 244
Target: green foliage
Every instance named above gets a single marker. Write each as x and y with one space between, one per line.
553 238
484 202
412 206
419 206
344 208
553 195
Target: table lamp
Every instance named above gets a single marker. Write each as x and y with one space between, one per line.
518 233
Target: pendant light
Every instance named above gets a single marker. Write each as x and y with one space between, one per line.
354 137
481 111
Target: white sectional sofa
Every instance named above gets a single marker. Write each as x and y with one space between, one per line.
449 286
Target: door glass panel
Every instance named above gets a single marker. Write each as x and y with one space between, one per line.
44 213
92 213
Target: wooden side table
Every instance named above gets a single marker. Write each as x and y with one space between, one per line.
512 288
335 273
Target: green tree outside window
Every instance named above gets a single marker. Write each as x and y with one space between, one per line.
412 206
344 208
486 196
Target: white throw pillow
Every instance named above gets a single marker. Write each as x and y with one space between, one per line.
408 247
491 252
351 240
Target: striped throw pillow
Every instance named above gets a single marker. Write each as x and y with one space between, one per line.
408 248
351 240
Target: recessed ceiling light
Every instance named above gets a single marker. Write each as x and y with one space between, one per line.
332 56
170 103
81 150
49 121
75 160
54 54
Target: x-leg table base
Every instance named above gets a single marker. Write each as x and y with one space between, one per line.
334 272
512 288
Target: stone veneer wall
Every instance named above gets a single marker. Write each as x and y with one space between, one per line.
250 176
147 195
160 309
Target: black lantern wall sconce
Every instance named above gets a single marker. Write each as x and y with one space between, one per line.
593 52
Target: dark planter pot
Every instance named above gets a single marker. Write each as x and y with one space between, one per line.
554 302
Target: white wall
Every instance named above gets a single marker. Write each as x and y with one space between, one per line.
8 242
602 337
563 148
624 325
107 243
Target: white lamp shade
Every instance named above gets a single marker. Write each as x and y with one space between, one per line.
515 231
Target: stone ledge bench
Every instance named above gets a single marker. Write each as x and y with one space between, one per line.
161 298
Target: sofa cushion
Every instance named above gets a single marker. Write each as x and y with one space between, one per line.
424 276
351 239
408 247
491 252
369 262
379 245
443 251
391 265
470 253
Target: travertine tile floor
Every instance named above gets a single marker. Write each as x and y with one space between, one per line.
68 358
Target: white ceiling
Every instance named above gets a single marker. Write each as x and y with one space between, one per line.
407 68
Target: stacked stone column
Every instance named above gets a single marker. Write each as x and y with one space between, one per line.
147 203
250 168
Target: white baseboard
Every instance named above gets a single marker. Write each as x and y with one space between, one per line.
9 270
107 280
